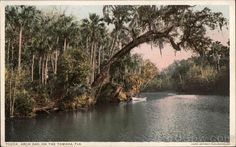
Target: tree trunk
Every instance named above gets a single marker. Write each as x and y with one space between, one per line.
64 45
12 104
87 46
180 79
42 70
94 61
12 52
103 55
110 47
40 65
46 70
52 62
217 63
53 59
56 60
32 68
56 57
8 52
20 46
113 46
10 92
91 52
99 59
101 77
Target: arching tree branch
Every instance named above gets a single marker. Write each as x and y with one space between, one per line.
146 37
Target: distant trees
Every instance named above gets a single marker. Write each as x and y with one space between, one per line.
218 55
197 75
132 70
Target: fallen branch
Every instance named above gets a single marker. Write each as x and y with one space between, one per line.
46 109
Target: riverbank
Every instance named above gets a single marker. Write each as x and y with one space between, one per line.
74 106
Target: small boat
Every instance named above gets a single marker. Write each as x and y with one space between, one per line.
139 99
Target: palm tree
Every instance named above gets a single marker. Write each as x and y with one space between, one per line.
21 17
19 20
95 30
66 27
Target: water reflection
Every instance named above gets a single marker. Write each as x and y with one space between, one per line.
163 117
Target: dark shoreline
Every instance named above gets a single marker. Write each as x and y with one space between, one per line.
191 93
87 109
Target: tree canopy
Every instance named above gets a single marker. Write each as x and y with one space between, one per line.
180 26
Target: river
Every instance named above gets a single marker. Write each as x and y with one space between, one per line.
163 117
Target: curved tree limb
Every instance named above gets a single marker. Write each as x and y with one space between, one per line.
146 37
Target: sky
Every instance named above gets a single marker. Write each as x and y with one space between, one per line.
169 55
153 54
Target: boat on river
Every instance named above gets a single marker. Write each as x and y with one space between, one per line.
139 99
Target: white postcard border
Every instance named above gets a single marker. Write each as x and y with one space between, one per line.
230 3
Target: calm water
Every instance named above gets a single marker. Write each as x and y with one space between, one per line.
163 117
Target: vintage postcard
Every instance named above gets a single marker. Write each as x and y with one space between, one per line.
118 73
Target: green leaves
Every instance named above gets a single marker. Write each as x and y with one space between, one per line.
24 103
218 55
74 67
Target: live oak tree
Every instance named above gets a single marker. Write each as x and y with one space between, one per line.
180 26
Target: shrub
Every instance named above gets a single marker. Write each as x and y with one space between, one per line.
75 91
24 103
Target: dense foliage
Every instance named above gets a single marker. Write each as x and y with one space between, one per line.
204 75
54 60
